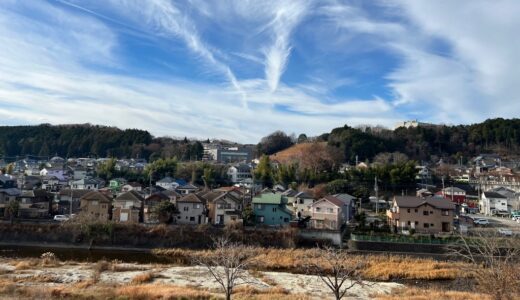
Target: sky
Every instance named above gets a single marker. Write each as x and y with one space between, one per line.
239 70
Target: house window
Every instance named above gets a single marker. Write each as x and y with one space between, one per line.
318 209
259 206
416 223
408 210
409 223
330 210
274 209
431 225
186 208
192 219
301 201
426 225
219 206
286 220
445 212
416 210
431 212
196 205
425 212
260 219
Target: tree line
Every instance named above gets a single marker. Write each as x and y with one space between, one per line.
85 140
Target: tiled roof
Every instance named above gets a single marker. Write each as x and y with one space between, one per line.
96 196
130 196
412 202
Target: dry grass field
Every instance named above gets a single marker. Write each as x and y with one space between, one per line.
382 268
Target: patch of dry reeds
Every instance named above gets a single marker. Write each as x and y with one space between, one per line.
378 267
428 294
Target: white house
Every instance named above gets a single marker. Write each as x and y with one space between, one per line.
167 183
85 184
239 172
492 203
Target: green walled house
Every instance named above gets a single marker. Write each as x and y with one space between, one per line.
271 209
116 184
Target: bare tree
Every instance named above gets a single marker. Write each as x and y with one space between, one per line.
494 261
228 264
336 269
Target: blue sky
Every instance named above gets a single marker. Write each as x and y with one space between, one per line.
241 69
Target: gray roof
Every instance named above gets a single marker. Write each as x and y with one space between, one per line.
346 198
494 195
454 189
412 202
130 196
188 186
304 195
166 179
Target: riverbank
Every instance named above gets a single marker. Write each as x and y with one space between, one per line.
37 278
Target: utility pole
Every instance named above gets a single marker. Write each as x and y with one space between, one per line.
443 187
376 189
70 211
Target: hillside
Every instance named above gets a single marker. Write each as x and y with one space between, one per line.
426 142
70 140
295 152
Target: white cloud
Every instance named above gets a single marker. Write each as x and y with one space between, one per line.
287 16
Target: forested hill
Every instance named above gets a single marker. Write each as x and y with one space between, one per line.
71 140
424 142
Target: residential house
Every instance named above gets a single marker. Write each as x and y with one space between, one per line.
492 203
79 173
424 215
455 194
191 209
239 172
167 183
35 204
223 207
132 186
96 205
64 198
349 206
271 209
423 193
128 207
116 184
85 184
187 189
513 198
329 213
149 206
53 183
8 192
57 162
29 182
301 203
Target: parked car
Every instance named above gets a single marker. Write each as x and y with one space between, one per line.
481 222
505 232
60 218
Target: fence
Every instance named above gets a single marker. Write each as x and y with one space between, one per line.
403 239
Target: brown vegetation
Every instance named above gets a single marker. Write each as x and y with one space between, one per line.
428 294
143 278
380 267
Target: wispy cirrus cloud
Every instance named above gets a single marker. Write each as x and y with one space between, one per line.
286 17
241 69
